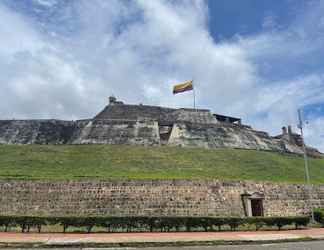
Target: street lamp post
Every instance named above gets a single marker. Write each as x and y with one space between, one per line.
300 126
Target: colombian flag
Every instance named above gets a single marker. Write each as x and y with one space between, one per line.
182 87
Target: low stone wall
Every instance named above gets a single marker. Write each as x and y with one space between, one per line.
152 197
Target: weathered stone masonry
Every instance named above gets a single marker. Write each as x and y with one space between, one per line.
146 125
153 197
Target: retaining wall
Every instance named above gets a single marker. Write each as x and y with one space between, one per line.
152 197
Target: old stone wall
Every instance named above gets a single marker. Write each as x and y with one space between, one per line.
36 131
222 135
152 197
146 125
203 131
79 132
135 112
193 116
117 132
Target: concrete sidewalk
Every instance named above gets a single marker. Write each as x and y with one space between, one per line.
149 239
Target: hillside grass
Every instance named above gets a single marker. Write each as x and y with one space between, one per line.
71 162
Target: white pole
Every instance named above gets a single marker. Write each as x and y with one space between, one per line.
194 96
300 126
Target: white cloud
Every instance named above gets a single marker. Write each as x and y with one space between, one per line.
136 51
45 3
314 132
16 35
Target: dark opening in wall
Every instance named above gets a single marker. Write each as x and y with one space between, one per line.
257 207
165 132
229 119
253 203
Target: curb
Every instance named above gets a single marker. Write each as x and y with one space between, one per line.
151 244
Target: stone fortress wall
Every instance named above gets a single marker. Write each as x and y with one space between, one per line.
156 198
147 125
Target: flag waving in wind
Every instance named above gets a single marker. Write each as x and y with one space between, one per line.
182 87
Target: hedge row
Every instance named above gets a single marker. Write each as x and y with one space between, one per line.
149 223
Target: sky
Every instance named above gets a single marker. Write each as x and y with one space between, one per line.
259 60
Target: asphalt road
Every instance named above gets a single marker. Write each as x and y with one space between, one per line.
314 245
311 245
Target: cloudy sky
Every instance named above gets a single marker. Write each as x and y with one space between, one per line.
256 59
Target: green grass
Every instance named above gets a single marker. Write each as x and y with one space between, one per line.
72 162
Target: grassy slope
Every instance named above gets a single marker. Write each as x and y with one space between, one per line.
121 161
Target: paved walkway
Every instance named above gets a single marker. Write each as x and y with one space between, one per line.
46 239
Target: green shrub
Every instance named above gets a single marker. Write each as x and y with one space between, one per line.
319 215
301 221
163 223
218 222
28 222
258 222
235 222
6 222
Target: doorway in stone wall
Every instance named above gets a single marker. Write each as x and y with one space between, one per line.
165 132
253 203
257 207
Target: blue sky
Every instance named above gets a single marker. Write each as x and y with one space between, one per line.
229 19
232 18
257 59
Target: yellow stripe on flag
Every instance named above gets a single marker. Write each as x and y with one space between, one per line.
182 87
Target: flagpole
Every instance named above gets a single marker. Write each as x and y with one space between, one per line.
194 97
194 94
